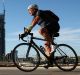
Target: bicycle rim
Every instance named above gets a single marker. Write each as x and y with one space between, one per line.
65 57
25 58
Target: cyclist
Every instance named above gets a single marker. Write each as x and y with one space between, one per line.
48 25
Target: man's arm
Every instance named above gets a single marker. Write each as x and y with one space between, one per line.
34 22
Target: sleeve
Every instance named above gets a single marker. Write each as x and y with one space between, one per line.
38 13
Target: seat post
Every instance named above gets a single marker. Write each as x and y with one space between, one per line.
53 41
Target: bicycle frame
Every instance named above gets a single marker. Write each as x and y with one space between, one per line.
35 45
38 48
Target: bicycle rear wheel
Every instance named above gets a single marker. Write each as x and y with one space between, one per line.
65 57
26 57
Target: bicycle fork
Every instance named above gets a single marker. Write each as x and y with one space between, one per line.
27 54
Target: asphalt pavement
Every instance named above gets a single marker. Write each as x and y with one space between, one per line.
39 71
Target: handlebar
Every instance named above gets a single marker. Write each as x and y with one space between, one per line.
31 34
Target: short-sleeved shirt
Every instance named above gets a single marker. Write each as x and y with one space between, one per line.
43 22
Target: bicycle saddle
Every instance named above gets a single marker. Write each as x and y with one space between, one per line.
56 35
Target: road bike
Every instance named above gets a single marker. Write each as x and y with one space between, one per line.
28 56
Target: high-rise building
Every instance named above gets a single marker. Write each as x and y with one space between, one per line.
2 35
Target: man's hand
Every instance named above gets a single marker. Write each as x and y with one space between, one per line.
26 30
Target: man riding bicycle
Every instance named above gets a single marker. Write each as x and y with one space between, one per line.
48 25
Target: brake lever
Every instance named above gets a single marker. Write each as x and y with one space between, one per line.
19 36
24 29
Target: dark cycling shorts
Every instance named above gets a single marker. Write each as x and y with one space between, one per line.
53 28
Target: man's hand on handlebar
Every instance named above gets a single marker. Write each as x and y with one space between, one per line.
22 35
26 31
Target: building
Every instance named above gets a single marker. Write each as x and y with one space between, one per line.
9 56
2 36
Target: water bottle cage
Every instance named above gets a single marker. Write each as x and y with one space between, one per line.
42 49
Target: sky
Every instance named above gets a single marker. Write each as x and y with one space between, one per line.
17 17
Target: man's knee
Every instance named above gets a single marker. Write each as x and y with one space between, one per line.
42 31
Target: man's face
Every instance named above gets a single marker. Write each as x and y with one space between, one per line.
31 11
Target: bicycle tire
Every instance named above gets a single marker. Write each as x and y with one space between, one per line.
24 63
66 63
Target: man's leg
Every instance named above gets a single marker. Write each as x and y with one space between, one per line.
45 34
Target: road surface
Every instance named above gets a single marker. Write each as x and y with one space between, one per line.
39 71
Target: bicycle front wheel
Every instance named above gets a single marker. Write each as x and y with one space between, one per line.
26 57
65 57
